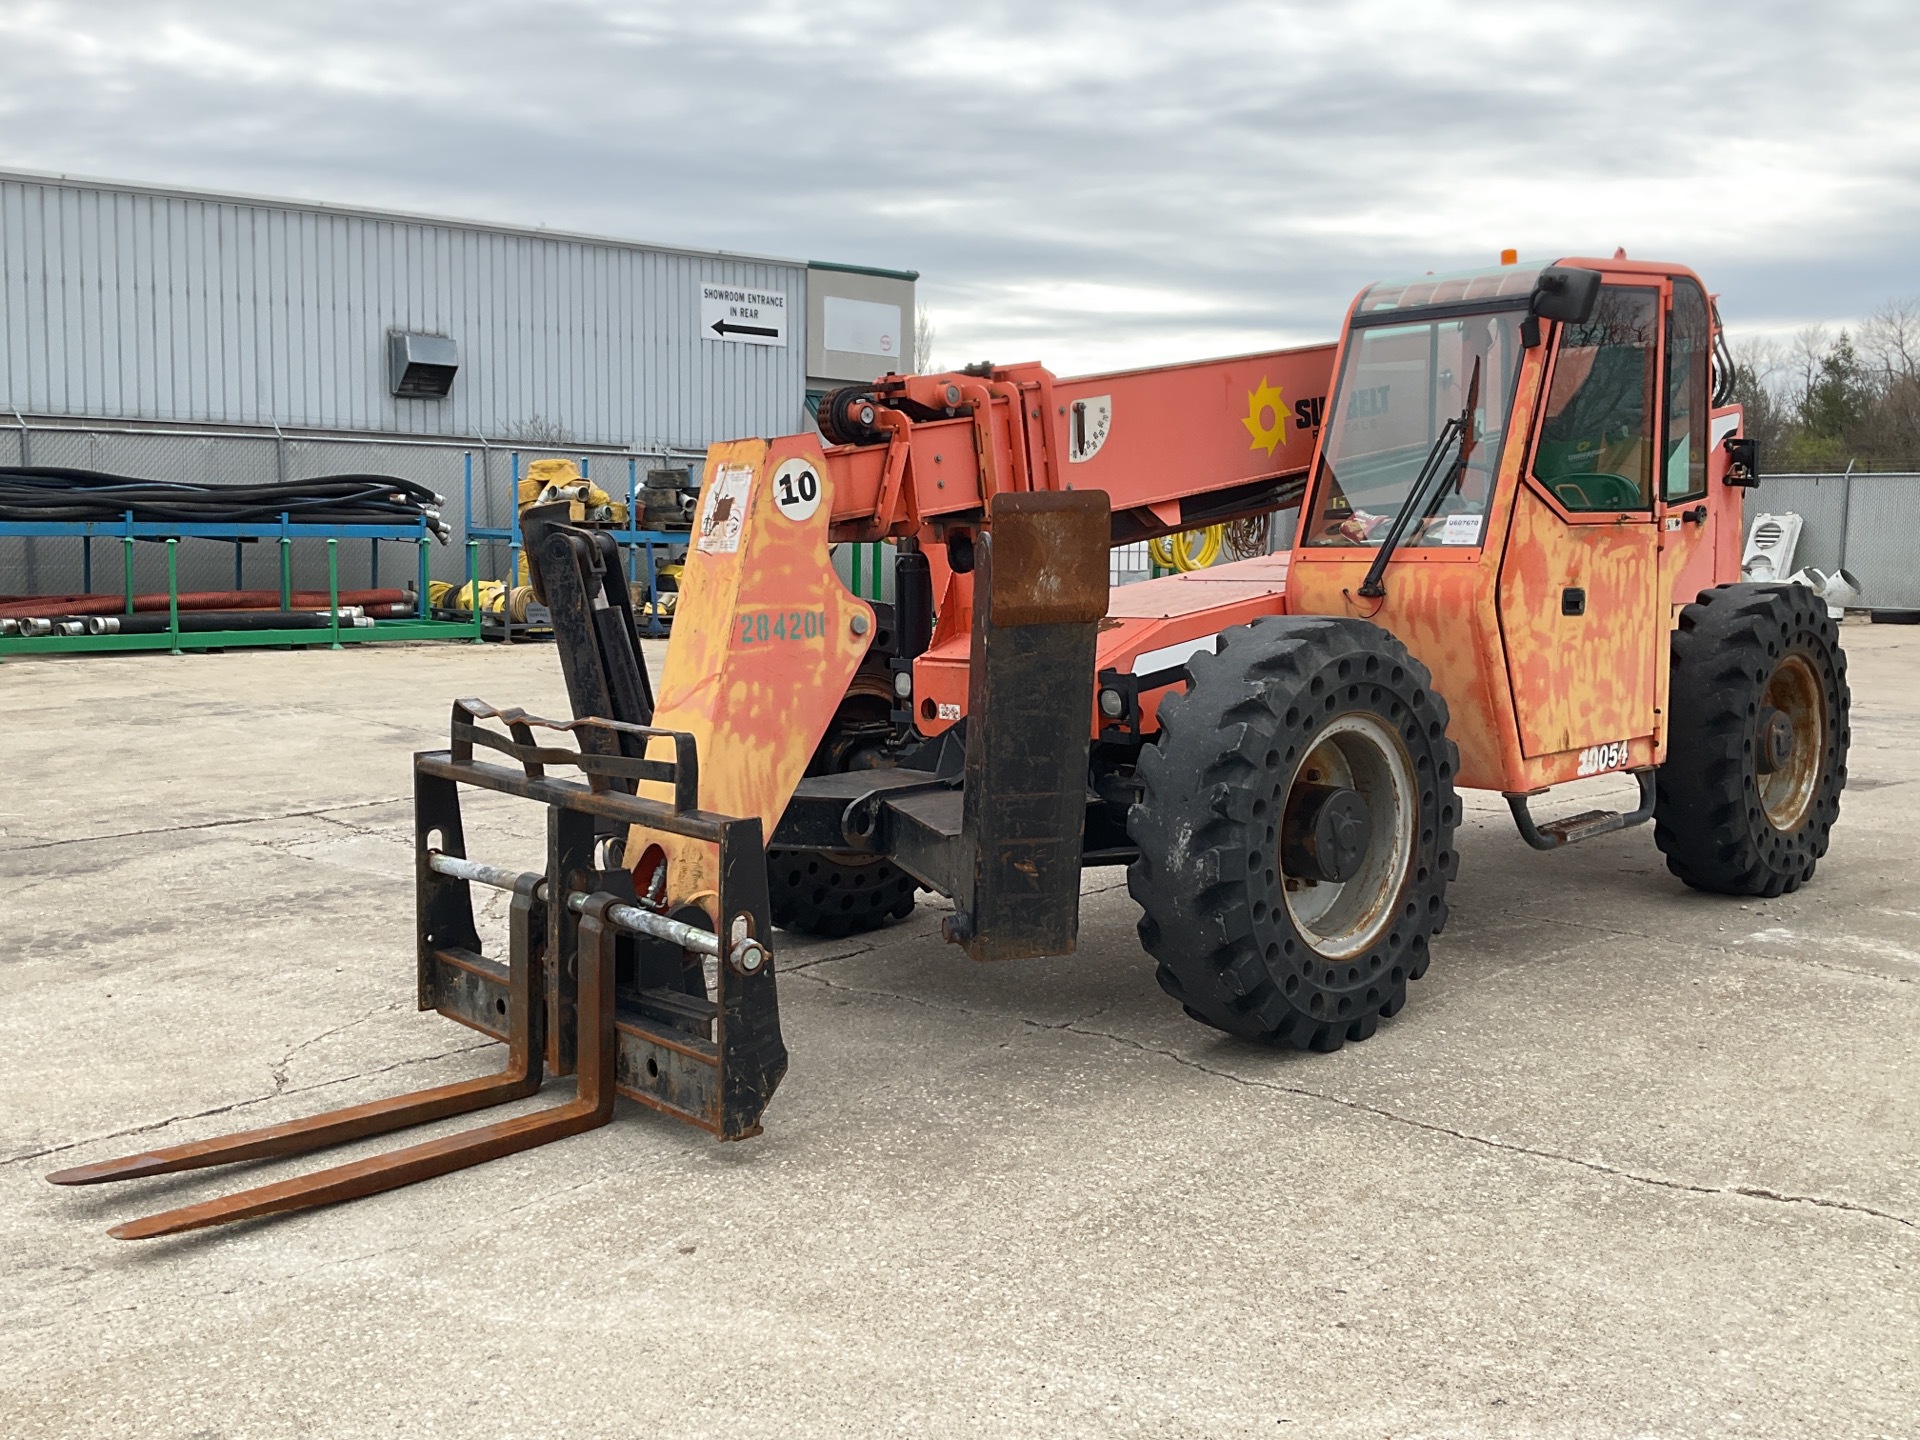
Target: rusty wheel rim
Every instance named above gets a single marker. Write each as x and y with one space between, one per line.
1786 794
1361 752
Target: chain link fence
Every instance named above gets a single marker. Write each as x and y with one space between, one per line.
1867 524
451 468
1864 523
52 566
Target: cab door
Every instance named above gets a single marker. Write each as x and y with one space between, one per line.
1687 521
1579 594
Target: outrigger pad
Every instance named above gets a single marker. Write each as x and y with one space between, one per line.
1040 593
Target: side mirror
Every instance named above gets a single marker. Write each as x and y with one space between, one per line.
1564 293
1743 462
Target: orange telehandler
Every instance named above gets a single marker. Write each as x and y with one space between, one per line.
1515 564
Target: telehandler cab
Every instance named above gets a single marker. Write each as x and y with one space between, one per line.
1515 564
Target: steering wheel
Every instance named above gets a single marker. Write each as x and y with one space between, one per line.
1602 490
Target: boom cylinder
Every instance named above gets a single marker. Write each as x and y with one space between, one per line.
912 600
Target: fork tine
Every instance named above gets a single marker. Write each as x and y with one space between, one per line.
592 1106
520 1077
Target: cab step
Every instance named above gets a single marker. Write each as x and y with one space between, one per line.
1569 829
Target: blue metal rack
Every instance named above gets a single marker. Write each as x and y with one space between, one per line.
638 542
285 531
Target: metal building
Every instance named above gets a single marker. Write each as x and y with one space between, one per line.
164 332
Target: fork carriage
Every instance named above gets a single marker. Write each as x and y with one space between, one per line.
597 981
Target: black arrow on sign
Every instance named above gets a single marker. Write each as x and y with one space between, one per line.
721 327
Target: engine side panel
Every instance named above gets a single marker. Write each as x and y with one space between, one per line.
1149 626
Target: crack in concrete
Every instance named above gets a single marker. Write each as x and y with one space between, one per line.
323 813
279 1071
799 965
547 1196
481 1223
1720 946
396 835
276 1094
1076 1027
1754 1192
1829 965
1029 1022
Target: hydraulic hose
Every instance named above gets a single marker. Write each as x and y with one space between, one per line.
201 621
52 493
71 605
1188 550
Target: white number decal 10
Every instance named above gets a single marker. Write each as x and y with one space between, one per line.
1597 758
796 489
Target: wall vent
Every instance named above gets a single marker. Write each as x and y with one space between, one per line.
421 367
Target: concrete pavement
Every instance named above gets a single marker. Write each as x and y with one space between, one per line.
1632 1162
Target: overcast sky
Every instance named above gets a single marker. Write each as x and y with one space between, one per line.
1086 185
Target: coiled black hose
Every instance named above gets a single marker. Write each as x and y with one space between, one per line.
49 493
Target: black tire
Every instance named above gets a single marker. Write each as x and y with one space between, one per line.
1725 823
1218 827
816 893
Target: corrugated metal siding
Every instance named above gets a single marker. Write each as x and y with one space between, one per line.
57 566
135 305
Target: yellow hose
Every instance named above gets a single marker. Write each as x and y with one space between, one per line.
495 598
1189 550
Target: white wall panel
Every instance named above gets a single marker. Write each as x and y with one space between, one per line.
145 304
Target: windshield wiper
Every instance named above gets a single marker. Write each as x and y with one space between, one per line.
1458 427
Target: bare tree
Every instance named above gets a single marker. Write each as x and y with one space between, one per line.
1810 347
1822 401
536 429
1890 339
920 358
1890 342
1763 358
1762 370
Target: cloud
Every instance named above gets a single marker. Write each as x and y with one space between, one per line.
1089 185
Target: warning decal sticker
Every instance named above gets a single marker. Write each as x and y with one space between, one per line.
723 509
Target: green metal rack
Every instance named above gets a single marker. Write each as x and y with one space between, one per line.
177 641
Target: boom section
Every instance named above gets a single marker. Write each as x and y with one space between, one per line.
1173 447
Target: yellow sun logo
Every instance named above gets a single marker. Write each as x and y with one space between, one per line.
1266 417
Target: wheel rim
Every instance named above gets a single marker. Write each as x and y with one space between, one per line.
1786 793
1360 752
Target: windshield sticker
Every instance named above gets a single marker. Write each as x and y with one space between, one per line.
1461 530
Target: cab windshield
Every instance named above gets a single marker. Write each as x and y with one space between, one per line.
1402 379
